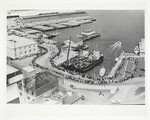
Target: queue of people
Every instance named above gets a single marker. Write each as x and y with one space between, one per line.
84 79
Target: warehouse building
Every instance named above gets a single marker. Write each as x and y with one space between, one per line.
44 88
47 18
19 47
13 75
35 84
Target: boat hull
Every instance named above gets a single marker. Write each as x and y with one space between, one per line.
89 37
85 69
102 72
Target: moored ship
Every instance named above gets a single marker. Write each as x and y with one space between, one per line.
88 34
84 62
88 60
51 35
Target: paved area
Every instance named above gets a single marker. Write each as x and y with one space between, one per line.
23 62
99 94
126 92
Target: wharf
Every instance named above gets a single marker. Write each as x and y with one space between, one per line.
71 24
57 26
84 21
128 65
43 28
29 30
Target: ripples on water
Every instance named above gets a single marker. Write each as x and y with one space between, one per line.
125 26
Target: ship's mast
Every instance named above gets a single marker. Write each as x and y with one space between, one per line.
68 51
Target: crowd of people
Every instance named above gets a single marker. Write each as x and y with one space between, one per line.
83 78
60 70
116 68
131 74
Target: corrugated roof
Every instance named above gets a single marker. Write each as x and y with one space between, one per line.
40 27
50 15
41 79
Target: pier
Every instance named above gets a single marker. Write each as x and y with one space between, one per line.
43 28
125 76
57 26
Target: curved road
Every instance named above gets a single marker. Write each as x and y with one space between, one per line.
44 61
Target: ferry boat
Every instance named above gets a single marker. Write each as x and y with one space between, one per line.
88 34
84 61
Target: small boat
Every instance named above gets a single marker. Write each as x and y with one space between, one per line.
51 35
102 71
136 50
88 34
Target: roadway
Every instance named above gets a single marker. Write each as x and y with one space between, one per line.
125 94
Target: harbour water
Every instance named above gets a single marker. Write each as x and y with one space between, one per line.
120 25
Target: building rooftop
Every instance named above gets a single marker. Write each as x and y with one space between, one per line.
31 12
15 79
28 68
70 99
11 69
43 28
30 31
14 41
61 96
51 15
41 79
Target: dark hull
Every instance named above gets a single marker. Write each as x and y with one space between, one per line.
49 37
82 48
87 68
84 69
